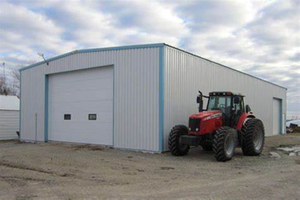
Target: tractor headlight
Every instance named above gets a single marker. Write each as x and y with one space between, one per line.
194 124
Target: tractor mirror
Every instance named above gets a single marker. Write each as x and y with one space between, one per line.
236 100
248 109
198 99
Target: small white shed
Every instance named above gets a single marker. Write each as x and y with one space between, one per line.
9 117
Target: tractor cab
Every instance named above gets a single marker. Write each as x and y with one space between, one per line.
229 104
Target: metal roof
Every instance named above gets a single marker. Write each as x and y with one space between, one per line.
138 47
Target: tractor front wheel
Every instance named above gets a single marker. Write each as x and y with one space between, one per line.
224 143
253 137
175 146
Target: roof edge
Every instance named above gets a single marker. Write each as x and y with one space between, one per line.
225 66
139 46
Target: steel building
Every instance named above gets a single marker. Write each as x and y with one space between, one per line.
130 97
9 117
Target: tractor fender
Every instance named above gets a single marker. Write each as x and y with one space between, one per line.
243 119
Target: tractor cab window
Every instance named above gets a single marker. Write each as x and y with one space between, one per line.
236 108
222 103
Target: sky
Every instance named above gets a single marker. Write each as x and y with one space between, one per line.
258 37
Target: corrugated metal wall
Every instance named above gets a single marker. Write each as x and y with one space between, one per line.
136 90
9 124
185 74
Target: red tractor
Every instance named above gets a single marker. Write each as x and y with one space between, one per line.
224 125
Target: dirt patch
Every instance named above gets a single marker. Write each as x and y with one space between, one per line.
167 168
29 197
88 147
24 167
297 161
62 171
16 181
8 141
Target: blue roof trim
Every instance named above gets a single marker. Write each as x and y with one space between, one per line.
94 50
138 47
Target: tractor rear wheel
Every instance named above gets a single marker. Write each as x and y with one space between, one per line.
175 146
253 137
224 143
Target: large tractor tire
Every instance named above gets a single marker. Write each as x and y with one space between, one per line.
253 137
224 143
176 148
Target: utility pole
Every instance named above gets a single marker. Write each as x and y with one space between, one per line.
4 81
4 72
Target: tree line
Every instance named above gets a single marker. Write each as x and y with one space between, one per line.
10 84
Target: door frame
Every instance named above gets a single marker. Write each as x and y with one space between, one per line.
280 114
46 98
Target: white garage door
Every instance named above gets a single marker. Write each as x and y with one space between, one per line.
81 106
276 116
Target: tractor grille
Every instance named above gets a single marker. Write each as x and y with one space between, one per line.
194 124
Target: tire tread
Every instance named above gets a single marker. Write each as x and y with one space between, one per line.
174 135
247 136
218 144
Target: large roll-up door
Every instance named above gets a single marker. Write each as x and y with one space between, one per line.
81 106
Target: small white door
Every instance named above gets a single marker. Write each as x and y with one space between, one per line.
276 117
81 106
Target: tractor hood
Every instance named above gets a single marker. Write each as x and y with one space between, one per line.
206 114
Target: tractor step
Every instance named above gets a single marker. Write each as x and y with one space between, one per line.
190 140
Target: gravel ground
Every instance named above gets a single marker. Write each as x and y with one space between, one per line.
68 171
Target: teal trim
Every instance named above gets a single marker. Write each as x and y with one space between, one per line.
280 116
161 99
20 112
94 50
113 133
141 46
136 47
46 107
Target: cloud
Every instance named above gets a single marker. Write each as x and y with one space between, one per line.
262 40
257 37
23 32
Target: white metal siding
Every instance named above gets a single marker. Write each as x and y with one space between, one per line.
79 94
9 124
136 90
185 74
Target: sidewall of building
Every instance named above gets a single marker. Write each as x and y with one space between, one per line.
185 74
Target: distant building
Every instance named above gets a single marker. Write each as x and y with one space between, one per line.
9 117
